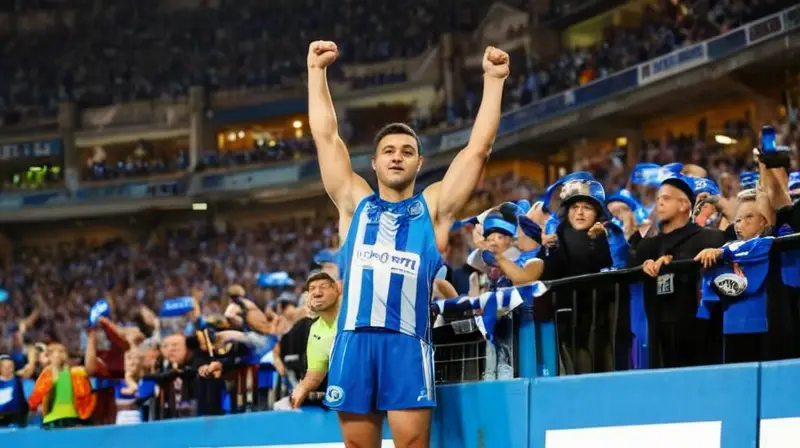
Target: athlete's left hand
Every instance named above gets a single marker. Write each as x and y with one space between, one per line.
496 63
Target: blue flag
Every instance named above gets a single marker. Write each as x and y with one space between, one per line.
647 174
174 316
502 300
278 279
101 308
617 244
748 180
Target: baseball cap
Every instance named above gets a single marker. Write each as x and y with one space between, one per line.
318 275
683 183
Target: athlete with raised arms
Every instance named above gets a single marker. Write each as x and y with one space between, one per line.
382 358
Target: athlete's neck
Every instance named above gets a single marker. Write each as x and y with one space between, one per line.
330 315
389 194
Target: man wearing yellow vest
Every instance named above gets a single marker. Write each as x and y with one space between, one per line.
323 300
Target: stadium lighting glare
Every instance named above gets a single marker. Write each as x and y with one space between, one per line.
241 134
199 206
724 139
297 124
232 137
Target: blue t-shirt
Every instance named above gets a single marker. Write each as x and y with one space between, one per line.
12 398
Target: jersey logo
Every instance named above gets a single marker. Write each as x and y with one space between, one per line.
415 209
334 396
370 212
379 257
317 337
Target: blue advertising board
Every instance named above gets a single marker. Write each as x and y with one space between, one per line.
732 406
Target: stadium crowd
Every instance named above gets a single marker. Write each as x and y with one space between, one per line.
253 47
661 30
105 305
171 322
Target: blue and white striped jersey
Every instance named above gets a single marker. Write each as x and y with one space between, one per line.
388 263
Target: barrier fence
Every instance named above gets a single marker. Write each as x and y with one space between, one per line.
714 406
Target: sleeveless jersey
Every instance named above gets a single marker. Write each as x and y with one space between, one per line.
388 264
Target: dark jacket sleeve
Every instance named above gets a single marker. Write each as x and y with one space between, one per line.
789 215
599 254
712 238
554 262
645 250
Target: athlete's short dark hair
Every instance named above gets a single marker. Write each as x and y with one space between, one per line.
398 128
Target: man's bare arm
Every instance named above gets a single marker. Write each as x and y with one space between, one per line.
343 186
464 173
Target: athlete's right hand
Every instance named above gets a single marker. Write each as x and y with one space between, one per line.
322 53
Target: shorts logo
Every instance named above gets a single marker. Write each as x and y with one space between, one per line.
334 396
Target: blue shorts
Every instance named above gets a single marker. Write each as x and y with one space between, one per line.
372 369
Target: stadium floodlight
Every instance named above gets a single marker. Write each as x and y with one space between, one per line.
724 139
199 206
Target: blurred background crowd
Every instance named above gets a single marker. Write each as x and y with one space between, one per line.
103 300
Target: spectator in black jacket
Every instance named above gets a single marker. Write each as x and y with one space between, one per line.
676 337
582 248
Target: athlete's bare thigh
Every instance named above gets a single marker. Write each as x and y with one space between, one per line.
361 431
411 428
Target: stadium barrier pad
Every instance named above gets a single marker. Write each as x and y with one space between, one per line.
706 407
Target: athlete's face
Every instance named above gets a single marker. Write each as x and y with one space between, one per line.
322 294
397 161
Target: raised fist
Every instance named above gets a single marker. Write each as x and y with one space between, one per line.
496 63
322 53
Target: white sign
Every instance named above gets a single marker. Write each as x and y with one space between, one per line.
667 435
779 432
